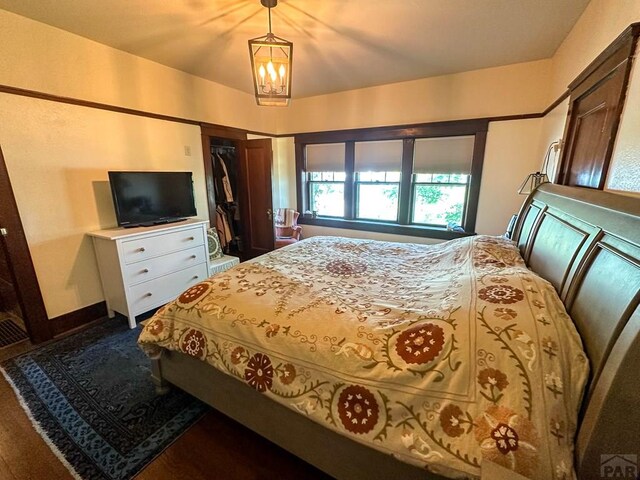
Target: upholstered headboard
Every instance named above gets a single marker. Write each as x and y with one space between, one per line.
587 244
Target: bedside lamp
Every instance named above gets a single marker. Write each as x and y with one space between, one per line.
537 178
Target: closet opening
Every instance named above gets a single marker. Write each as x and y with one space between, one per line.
239 185
227 218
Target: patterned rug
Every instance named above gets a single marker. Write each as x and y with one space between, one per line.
91 398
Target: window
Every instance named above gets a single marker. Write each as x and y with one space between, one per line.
420 180
326 193
439 199
326 178
440 181
377 166
377 195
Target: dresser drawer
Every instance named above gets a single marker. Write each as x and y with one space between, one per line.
142 248
157 266
161 290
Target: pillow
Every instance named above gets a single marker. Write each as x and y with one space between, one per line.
215 250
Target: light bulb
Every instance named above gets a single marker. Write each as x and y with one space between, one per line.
262 72
270 68
282 71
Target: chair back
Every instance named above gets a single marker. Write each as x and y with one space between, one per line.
285 221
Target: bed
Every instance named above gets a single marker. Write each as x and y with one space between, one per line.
405 361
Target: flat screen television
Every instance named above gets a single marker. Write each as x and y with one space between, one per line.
152 198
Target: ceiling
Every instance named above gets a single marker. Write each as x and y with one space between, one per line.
338 44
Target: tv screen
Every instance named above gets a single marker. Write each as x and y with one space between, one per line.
149 198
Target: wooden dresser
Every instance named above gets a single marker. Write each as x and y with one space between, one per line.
145 267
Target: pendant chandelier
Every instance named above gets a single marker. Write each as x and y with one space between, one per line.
271 61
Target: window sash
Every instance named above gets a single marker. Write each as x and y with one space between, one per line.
311 183
412 205
358 183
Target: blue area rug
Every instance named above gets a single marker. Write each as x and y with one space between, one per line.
91 397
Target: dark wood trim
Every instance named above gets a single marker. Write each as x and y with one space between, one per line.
473 194
23 92
78 318
86 103
209 178
382 227
404 202
393 132
632 31
408 134
221 131
237 131
25 280
209 131
617 117
349 181
301 186
558 101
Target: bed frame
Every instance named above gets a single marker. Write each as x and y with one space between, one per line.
587 244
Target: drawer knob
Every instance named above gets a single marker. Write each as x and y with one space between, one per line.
195 277
191 238
141 249
193 256
148 294
146 270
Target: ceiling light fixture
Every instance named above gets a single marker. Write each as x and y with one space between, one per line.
271 61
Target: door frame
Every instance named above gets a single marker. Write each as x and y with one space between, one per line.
207 131
616 59
21 266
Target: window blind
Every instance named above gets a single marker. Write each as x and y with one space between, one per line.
444 155
325 157
378 156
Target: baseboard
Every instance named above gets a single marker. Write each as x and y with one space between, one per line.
78 318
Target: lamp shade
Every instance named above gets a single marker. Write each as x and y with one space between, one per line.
271 62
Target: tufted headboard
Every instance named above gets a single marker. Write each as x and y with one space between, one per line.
587 244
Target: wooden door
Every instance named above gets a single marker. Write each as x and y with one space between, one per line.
255 157
591 134
597 98
18 280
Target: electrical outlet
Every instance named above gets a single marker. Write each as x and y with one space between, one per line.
187 151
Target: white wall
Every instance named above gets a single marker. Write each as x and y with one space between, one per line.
510 155
58 156
39 57
508 90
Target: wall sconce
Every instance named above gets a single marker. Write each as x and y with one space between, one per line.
537 178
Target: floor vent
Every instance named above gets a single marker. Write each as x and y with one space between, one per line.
11 333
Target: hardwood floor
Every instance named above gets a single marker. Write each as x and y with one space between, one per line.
216 447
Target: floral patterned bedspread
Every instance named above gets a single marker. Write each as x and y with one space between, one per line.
442 355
